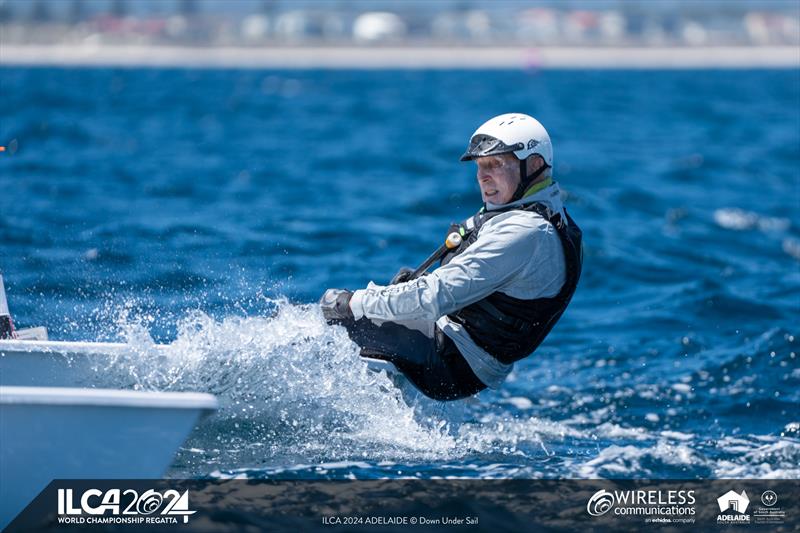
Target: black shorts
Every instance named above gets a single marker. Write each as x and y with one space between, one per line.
433 365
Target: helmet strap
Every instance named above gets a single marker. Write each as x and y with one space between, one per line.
525 180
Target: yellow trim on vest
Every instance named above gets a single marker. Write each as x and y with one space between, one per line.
538 187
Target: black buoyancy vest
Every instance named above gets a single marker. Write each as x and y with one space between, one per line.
509 328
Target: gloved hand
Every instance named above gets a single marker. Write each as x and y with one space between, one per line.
335 304
402 276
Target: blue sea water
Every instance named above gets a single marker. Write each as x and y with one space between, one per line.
210 209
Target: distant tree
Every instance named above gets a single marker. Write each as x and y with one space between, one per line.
345 7
267 7
39 11
118 8
187 8
6 13
77 11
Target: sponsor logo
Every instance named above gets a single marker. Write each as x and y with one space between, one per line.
731 500
769 513
600 502
769 498
658 506
733 508
117 506
532 143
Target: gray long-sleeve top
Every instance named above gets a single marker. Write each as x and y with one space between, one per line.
518 253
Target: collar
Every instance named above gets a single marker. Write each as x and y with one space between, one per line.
546 192
533 189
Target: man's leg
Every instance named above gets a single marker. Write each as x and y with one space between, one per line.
433 364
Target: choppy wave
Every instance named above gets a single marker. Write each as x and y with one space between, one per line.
740 219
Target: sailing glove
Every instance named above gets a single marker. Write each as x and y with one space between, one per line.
335 304
403 275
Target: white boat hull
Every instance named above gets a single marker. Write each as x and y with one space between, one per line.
65 433
59 363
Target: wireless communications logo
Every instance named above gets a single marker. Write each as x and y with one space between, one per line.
656 506
116 506
600 503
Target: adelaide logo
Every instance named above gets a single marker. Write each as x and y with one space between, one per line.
733 501
733 508
600 502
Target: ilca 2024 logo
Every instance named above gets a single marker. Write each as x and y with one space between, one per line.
116 506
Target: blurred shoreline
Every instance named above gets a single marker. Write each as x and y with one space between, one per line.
391 57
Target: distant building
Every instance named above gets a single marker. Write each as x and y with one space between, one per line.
465 22
378 26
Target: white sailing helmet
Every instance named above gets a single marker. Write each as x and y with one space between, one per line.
512 132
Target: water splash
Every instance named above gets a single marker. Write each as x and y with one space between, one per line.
294 391
290 388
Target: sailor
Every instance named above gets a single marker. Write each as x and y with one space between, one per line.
506 275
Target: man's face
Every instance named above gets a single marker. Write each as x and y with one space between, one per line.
498 177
